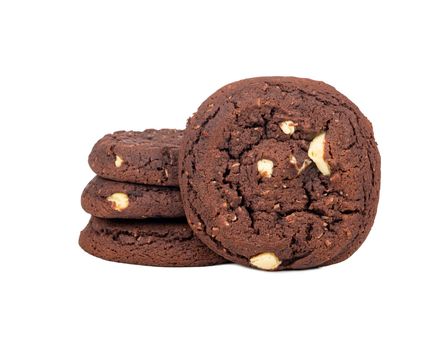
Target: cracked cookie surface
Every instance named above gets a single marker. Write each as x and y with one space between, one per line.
121 200
147 157
255 190
146 242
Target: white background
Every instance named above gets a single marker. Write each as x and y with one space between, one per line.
71 71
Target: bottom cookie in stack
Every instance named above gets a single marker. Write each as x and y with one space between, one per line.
161 242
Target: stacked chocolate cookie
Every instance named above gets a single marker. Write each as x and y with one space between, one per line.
275 173
137 213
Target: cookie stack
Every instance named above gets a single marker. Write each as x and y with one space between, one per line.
275 173
137 213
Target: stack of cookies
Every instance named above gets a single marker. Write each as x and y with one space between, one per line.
137 213
275 173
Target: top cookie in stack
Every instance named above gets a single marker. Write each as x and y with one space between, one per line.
147 157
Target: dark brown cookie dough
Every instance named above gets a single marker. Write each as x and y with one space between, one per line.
147 157
280 173
111 199
146 242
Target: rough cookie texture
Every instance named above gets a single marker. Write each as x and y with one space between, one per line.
145 242
147 157
107 199
289 209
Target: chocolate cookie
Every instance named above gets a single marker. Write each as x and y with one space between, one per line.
110 199
145 242
280 173
147 157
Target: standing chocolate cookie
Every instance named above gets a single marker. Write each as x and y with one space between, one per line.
280 173
111 199
147 157
146 242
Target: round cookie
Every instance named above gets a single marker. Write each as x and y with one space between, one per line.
111 199
145 242
148 157
280 173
